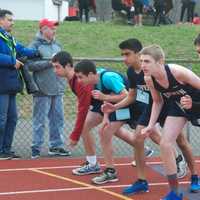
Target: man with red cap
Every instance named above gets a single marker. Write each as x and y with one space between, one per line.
48 23
48 102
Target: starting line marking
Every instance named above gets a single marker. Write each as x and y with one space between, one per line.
83 184
74 166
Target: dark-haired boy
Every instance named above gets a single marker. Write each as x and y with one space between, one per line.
63 64
109 86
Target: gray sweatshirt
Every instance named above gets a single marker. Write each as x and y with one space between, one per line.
43 73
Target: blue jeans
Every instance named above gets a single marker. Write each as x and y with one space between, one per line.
8 121
50 107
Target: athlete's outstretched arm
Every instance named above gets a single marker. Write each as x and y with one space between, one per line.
186 76
156 107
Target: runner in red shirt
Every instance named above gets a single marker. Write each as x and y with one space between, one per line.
63 64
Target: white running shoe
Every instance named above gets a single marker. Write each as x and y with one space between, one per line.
181 166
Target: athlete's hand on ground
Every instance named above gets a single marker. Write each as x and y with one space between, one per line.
96 94
186 102
72 143
107 107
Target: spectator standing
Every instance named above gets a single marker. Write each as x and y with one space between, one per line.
159 17
84 6
138 4
93 5
184 7
192 4
10 82
48 102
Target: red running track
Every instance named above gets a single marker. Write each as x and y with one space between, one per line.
52 179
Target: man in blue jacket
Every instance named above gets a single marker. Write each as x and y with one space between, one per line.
10 81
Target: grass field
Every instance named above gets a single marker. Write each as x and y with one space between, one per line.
102 39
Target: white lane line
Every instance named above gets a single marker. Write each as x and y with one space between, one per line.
56 167
75 166
80 188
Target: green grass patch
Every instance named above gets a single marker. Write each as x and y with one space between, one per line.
102 39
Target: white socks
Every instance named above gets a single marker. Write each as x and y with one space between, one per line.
92 160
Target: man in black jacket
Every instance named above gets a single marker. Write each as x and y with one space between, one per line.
84 6
159 17
185 6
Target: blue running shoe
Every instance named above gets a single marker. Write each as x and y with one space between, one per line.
137 187
173 196
195 184
87 169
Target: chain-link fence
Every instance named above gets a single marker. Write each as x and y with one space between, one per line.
23 134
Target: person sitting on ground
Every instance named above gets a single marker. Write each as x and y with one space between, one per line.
124 6
196 19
